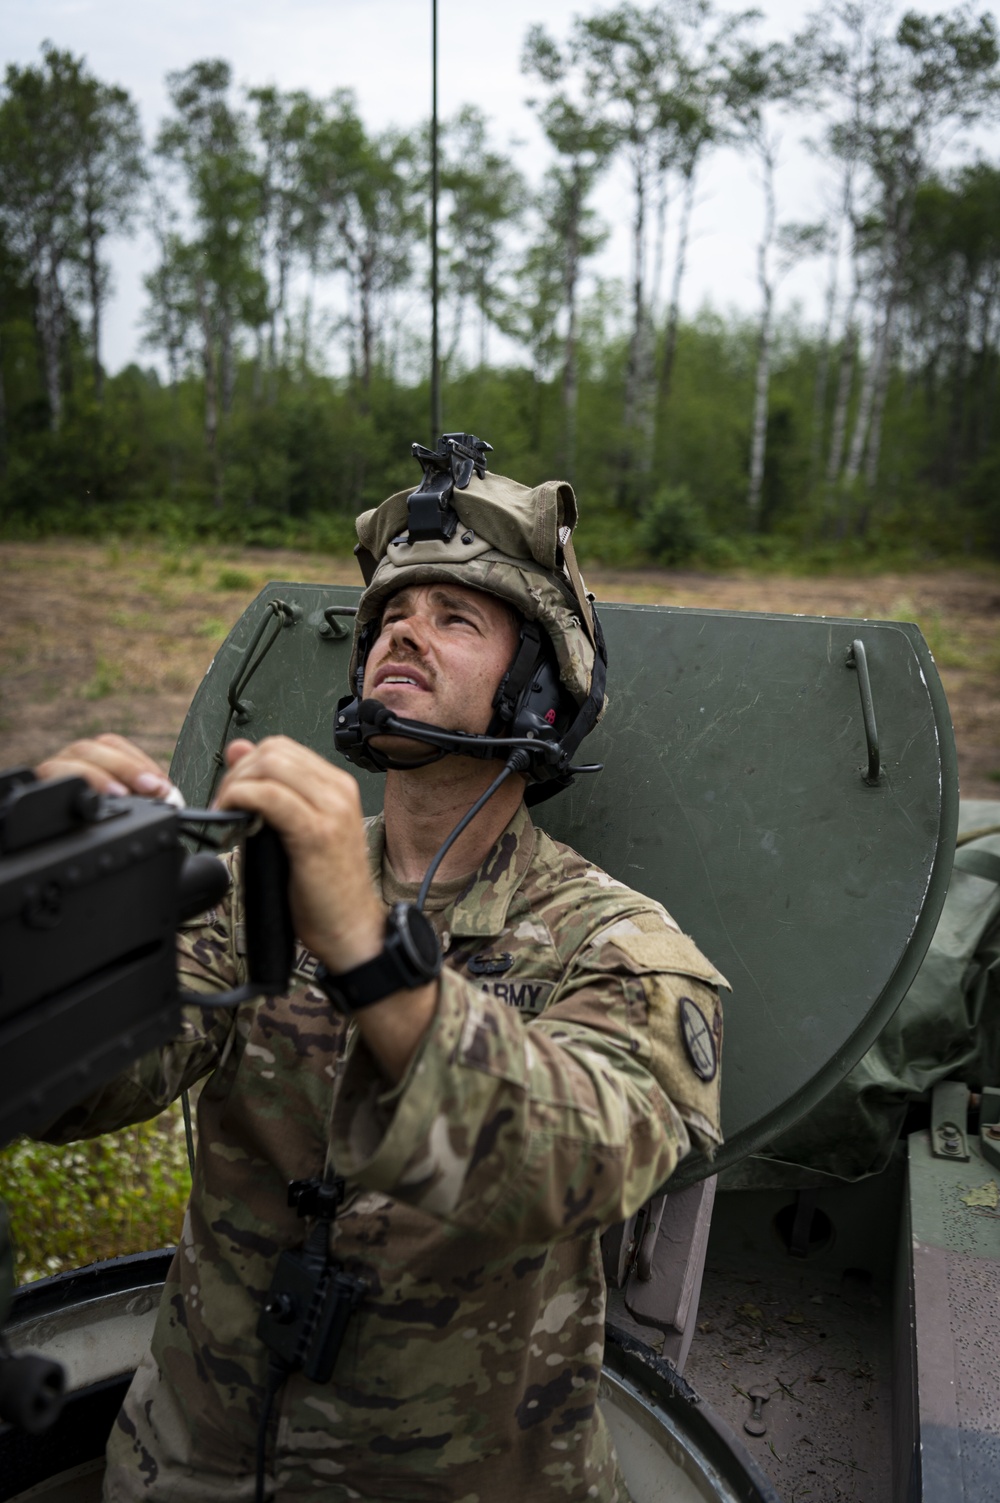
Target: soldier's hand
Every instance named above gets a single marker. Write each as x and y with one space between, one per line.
111 764
316 809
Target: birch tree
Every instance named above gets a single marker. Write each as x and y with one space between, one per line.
285 125
333 157
630 60
207 144
763 77
372 234
487 197
108 186
584 144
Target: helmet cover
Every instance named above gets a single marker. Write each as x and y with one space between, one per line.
512 541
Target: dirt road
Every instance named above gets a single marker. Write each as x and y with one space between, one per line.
97 637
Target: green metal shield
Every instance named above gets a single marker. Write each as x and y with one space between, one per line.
739 790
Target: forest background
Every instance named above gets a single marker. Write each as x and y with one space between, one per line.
868 436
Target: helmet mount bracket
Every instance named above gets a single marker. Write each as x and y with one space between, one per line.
431 516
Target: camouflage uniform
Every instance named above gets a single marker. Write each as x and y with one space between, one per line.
544 1104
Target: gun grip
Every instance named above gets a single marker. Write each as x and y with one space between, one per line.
269 934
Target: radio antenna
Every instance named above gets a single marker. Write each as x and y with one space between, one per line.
437 423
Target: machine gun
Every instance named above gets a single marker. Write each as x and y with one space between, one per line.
92 890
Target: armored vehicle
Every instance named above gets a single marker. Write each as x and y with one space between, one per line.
811 1315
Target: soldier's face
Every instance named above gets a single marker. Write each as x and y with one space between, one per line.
439 657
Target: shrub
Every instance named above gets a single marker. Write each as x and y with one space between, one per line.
674 527
121 1193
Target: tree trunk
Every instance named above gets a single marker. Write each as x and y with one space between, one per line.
306 341
227 365
569 382
823 363
989 365
877 374
647 369
483 333
48 313
878 409
633 375
866 402
680 265
959 380
838 430
211 393
758 444
659 243
258 365
277 312
822 380
96 297
845 381
366 316
862 416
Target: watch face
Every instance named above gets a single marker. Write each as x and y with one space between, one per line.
418 938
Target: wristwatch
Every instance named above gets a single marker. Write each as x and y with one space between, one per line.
410 958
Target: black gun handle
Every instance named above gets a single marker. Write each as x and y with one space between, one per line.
269 934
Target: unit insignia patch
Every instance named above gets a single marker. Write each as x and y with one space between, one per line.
698 1040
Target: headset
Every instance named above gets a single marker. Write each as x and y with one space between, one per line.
532 712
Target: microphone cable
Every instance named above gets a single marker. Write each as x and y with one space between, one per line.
516 762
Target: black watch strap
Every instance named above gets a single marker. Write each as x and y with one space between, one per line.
410 958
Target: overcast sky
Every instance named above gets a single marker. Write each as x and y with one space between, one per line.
381 50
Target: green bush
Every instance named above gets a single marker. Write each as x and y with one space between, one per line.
121 1193
673 528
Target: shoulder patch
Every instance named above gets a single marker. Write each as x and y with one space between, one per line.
699 1042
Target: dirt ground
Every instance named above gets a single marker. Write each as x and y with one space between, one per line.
111 637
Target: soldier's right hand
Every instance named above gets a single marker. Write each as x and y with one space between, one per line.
111 764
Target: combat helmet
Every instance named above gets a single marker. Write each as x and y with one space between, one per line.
467 525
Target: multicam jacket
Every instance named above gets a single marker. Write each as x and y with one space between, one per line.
550 1098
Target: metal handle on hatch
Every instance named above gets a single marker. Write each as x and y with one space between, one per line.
332 631
857 659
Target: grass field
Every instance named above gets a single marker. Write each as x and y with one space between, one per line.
96 637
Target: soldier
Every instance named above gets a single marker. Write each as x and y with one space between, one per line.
495 1068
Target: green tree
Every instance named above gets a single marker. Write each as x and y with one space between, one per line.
110 176
761 78
207 143
950 295
374 228
584 144
71 165
914 88
333 159
285 126
39 162
486 197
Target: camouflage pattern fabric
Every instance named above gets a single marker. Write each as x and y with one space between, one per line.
518 546
547 1101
